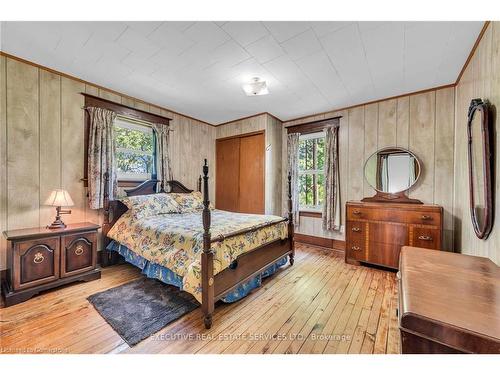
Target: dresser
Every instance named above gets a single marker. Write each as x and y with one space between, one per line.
39 259
375 232
448 303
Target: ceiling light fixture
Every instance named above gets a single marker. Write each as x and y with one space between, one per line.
256 87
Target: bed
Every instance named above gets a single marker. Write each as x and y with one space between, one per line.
212 254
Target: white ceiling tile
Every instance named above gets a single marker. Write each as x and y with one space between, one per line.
286 30
302 45
321 28
245 32
198 68
144 27
171 39
207 34
265 49
135 42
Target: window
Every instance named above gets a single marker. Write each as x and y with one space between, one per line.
135 147
311 173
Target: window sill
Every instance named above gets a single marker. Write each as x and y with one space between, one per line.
307 213
129 183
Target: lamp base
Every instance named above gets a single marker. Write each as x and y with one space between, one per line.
57 224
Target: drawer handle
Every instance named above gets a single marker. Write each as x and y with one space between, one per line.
425 238
356 248
426 217
356 229
79 250
356 212
39 258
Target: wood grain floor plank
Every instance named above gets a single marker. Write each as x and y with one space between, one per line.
319 295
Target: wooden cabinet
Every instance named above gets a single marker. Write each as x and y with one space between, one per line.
240 173
375 232
41 258
448 303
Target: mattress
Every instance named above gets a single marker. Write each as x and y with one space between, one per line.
175 241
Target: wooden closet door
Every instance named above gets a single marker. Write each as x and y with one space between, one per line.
251 179
227 174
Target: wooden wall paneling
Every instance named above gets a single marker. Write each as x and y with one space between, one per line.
252 169
154 109
3 160
273 166
356 154
227 180
371 118
125 100
443 160
464 94
72 147
387 123
403 121
23 146
422 126
50 141
108 95
141 105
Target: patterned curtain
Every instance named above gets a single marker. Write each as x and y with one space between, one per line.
101 155
331 207
163 165
293 170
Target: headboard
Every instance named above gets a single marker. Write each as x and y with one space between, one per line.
114 209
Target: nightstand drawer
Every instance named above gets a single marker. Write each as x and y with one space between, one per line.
78 253
35 262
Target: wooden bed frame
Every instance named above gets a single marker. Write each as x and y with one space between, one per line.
242 269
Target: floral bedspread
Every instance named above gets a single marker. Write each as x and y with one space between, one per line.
175 241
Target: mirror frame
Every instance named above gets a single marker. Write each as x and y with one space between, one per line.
483 108
400 196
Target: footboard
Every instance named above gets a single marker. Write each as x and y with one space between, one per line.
245 266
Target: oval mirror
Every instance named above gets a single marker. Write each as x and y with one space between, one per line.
392 170
480 168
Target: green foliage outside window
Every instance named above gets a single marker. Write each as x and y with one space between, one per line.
311 174
134 152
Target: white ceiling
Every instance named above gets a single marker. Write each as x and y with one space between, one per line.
198 68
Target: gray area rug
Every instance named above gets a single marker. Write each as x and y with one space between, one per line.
142 307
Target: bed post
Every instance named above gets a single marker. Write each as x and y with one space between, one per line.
199 183
106 226
290 220
207 258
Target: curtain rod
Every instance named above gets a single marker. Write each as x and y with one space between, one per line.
131 119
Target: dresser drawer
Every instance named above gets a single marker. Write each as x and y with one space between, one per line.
381 214
425 237
78 253
35 262
426 218
356 229
383 254
356 249
390 233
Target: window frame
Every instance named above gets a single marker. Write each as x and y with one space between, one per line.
313 127
313 172
132 124
119 109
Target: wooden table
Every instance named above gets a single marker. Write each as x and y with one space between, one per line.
449 303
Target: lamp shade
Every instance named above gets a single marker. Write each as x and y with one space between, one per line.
59 198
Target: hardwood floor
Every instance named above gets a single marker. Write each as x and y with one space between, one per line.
319 305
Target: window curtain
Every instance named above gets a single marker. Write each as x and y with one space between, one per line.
163 165
331 207
293 170
101 155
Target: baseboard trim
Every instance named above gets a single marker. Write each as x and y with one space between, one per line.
320 241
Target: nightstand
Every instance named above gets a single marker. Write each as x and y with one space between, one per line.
39 259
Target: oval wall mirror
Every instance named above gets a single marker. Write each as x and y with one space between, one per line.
480 167
391 171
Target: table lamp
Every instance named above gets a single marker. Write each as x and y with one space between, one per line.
59 198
